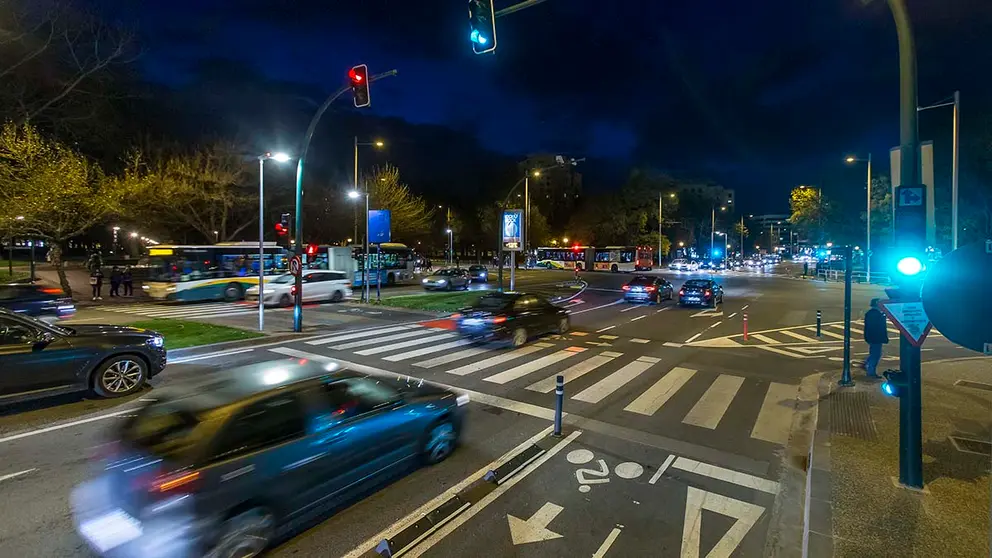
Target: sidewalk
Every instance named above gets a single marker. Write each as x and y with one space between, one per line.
855 506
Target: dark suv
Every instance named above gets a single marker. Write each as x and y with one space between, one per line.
45 303
224 467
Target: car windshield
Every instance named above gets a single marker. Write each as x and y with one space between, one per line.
697 283
446 272
641 281
284 279
477 268
162 429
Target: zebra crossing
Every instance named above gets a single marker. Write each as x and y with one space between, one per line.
183 311
640 385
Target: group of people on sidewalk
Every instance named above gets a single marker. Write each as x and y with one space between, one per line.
119 277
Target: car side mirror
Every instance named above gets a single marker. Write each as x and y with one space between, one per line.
42 339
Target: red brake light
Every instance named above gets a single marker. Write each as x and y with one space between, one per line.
456 315
50 290
292 290
172 483
498 319
681 292
650 289
626 287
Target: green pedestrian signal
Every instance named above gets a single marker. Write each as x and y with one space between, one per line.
482 25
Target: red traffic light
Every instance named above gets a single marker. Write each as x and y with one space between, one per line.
359 76
355 76
311 249
280 229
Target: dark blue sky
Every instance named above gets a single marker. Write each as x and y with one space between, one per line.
760 96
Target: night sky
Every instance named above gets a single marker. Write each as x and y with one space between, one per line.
759 96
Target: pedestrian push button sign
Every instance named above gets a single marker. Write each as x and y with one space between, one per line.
910 318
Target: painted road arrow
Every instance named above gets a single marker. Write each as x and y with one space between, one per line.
534 529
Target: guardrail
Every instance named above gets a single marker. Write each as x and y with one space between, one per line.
856 276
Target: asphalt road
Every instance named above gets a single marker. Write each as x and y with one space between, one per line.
670 412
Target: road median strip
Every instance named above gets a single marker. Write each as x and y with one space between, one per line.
181 334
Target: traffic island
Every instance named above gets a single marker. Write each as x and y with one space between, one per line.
855 504
434 302
179 334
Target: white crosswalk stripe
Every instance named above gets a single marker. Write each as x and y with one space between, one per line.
180 311
359 334
377 340
603 388
657 395
453 357
775 418
499 359
428 350
405 344
709 410
533 366
575 372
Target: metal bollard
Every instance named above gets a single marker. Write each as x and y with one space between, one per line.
819 319
559 399
745 326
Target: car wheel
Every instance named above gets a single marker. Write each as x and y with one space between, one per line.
439 442
244 535
285 300
120 376
563 325
337 296
233 292
519 337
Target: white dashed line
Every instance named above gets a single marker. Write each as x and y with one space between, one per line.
732 315
716 324
605 329
15 475
693 338
638 318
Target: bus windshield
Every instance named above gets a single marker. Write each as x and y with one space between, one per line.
192 263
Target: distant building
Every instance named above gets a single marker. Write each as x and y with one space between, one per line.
714 192
772 226
555 191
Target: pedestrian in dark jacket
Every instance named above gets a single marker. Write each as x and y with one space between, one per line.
876 335
96 281
115 281
127 279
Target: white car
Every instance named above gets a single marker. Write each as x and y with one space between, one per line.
318 285
684 265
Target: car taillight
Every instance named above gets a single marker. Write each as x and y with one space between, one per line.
177 483
498 319
455 316
709 292
52 291
650 289
681 292
626 287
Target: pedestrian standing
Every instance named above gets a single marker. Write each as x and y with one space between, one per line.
115 281
876 335
96 281
127 279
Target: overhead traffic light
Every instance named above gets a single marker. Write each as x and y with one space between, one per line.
359 77
482 25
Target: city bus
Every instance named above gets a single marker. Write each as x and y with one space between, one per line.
395 268
622 258
221 271
563 257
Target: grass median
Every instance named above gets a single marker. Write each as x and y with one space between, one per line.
17 276
181 333
438 302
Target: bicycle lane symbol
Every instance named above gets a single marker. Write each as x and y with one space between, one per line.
587 477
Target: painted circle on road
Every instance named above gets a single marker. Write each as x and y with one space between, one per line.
629 470
579 456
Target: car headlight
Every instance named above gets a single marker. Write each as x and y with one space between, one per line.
462 400
424 281
157 341
441 282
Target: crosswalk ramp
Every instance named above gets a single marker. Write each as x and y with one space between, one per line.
643 387
182 311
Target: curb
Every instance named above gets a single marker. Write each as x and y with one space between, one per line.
818 522
277 338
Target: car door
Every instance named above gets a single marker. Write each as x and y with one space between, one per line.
33 358
311 287
529 315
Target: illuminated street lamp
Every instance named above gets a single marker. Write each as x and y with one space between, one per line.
451 246
278 157
355 195
378 144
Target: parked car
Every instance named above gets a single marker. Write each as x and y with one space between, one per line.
511 316
318 285
45 303
478 273
447 279
705 292
224 467
38 359
648 289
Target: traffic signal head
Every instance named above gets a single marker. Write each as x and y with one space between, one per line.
282 227
311 249
894 383
359 78
482 25
910 266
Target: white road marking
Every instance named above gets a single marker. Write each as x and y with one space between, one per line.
709 410
638 318
765 339
629 308
615 302
663 309
657 395
578 333
533 366
601 389
428 350
405 344
62 426
781 352
716 324
605 547
395 337
611 337
575 372
744 307
775 418
498 359
670 344
641 341
209 355
698 500
661 470
423 510
607 328
358 335
452 357
693 338
459 520
726 475
732 315
798 336
823 331
15 475
534 529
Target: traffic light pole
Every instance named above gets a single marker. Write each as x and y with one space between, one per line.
845 379
298 240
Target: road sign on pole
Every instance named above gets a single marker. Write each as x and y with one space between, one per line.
295 265
910 318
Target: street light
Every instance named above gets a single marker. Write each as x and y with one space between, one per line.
660 220
355 194
278 157
377 144
851 159
451 246
713 227
955 143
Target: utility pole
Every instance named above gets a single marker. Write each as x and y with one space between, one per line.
660 196
954 170
742 237
868 231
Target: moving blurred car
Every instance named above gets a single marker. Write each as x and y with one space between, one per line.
511 316
224 467
318 285
478 273
45 303
447 279
704 292
684 265
38 359
648 289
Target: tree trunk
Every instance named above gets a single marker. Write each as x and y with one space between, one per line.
56 251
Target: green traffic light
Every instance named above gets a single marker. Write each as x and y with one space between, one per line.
910 266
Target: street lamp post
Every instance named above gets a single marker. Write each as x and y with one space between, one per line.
853 159
660 221
376 143
955 135
713 227
354 194
279 158
451 247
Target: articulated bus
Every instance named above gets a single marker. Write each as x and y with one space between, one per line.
608 258
395 268
216 272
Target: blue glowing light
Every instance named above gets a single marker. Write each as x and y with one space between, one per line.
909 266
478 37
888 389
